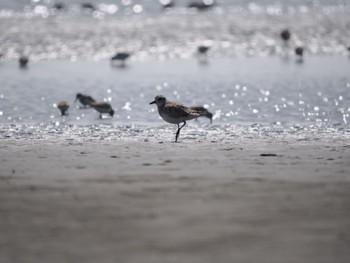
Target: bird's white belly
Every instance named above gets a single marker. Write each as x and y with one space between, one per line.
170 119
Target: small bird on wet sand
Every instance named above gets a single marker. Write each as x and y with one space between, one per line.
103 107
299 51
203 50
59 6
201 4
285 35
202 54
86 100
63 106
88 7
174 113
120 57
167 3
203 112
23 61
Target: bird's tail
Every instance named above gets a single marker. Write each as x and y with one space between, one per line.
202 112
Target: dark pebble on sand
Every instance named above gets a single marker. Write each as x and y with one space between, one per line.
228 149
268 155
32 188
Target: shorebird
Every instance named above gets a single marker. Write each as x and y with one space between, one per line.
201 5
88 6
202 54
103 107
167 3
23 61
203 112
63 107
285 35
203 50
174 113
59 6
120 57
299 51
86 100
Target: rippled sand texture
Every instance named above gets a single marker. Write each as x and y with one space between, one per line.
264 199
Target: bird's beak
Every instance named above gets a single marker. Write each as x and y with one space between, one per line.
152 102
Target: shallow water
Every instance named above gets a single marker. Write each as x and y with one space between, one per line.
253 90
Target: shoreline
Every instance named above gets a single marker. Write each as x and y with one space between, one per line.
260 199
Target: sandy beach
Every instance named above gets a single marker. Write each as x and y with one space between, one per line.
257 199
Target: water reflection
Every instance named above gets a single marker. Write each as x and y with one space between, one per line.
141 27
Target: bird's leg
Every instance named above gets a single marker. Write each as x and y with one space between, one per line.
183 125
178 130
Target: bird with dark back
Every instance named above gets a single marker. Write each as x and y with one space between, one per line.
174 112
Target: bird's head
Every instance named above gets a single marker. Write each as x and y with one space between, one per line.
159 100
79 95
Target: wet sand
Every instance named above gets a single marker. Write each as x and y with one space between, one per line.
247 200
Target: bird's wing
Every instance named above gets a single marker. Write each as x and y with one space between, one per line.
89 98
180 111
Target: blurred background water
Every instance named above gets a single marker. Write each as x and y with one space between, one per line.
250 74
231 28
